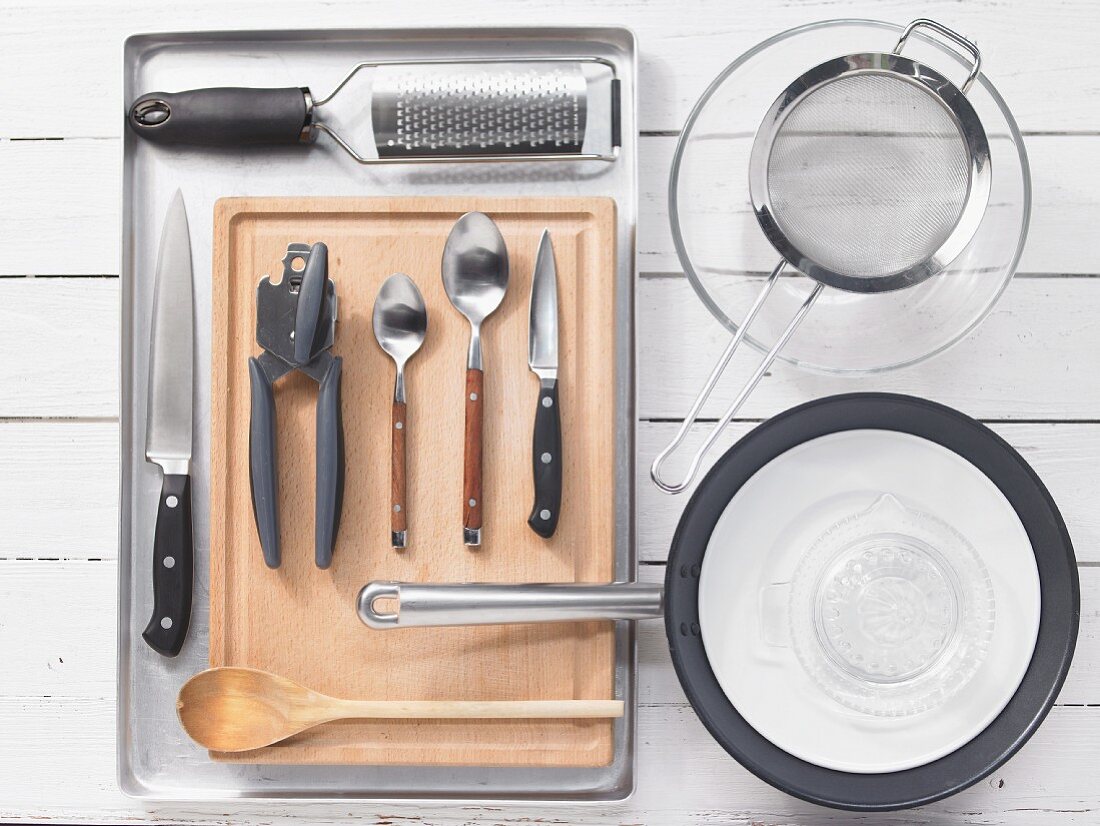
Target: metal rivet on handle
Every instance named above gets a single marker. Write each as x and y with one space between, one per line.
171 501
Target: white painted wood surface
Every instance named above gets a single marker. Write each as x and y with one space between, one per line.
1031 371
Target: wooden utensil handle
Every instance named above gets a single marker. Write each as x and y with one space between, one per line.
398 509
471 478
475 709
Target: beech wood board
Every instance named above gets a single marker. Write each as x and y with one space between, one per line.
299 621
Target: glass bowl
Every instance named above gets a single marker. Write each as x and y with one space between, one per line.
727 258
891 611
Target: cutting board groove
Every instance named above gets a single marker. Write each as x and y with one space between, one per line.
299 621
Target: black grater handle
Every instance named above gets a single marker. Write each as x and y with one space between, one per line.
226 116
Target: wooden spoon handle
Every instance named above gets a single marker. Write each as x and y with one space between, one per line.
398 505
475 709
471 476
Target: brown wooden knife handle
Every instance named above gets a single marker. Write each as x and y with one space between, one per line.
398 505
471 477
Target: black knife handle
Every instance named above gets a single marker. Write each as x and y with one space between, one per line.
330 464
546 457
227 116
173 568
263 470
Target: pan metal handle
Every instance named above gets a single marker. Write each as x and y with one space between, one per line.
967 45
429 604
716 374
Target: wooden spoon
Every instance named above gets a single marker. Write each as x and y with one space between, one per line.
238 709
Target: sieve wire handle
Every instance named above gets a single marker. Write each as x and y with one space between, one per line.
968 45
716 374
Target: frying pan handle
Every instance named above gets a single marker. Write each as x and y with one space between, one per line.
716 374
425 604
967 45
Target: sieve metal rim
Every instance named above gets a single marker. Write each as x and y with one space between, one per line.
954 102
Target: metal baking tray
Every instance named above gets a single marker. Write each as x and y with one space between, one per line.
156 760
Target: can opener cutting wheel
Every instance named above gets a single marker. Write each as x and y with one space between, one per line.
295 326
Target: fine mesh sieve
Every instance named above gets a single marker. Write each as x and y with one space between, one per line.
869 173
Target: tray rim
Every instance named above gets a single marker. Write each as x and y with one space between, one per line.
623 41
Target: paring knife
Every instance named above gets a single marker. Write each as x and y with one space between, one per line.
168 433
542 357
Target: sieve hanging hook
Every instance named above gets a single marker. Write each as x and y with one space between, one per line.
952 35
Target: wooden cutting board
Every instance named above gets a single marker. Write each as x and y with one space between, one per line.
300 621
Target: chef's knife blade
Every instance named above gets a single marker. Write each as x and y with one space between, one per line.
168 433
542 356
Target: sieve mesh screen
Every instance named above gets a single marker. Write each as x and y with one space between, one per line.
868 175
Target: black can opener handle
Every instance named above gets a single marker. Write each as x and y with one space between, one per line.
225 116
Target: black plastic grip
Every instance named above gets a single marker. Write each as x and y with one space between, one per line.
262 464
173 568
330 464
226 116
546 457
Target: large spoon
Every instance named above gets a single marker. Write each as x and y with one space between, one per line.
239 709
400 322
475 276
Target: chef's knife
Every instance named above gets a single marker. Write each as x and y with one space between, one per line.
168 433
542 356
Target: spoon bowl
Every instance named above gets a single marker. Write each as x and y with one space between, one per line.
400 318
475 267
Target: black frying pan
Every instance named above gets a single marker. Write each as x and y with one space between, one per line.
977 444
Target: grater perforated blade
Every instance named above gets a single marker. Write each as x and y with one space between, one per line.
464 110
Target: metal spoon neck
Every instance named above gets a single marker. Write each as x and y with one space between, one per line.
399 383
474 359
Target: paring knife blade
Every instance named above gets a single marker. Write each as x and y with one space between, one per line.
542 357
168 433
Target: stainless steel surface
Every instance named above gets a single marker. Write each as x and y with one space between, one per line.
542 339
172 357
504 109
156 760
426 604
869 173
400 323
475 274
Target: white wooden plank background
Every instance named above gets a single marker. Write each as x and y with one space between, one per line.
1031 371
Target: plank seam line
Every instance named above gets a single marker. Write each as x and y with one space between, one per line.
58 420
